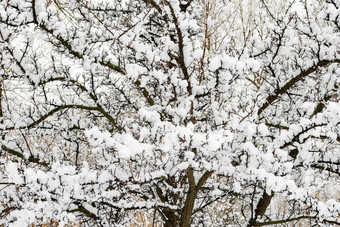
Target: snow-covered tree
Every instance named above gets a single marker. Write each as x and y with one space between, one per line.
176 113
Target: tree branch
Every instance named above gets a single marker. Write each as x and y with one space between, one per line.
69 46
293 219
62 107
20 155
271 98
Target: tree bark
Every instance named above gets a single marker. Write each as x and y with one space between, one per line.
192 195
261 208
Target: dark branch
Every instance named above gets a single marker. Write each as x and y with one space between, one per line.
271 98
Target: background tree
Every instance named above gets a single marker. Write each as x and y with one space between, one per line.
169 109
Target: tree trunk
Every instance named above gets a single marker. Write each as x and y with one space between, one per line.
261 208
188 208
